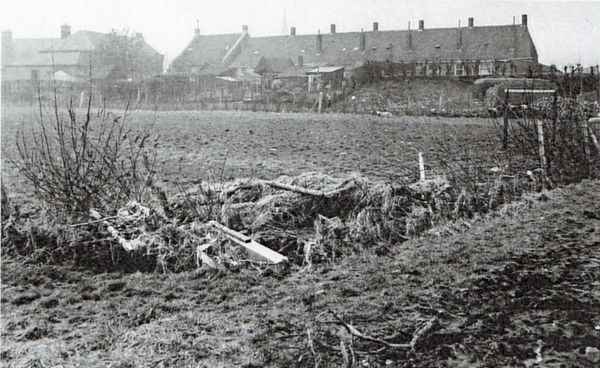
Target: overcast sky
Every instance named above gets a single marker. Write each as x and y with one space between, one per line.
564 31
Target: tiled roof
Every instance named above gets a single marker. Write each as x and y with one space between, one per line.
273 65
442 44
79 41
28 52
209 49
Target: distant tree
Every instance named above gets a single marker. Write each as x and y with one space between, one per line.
127 53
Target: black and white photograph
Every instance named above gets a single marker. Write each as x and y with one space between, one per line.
300 183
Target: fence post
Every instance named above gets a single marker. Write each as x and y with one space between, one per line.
5 210
506 111
540 131
554 116
421 167
586 143
592 135
320 106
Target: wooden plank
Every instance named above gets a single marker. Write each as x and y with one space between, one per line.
255 250
510 90
312 192
294 188
230 232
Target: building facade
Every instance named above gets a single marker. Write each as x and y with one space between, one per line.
469 50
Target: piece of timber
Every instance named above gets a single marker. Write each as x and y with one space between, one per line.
255 250
312 192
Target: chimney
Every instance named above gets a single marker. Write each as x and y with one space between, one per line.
319 42
293 31
300 61
375 26
471 22
421 25
524 20
244 28
197 29
409 38
65 31
459 36
139 35
363 41
332 29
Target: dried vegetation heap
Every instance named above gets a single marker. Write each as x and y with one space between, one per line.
309 218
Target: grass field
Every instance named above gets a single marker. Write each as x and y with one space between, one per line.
517 287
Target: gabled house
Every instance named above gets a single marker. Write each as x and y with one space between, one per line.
207 55
83 55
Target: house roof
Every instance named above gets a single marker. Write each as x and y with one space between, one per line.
49 55
295 72
441 44
280 47
325 69
206 49
79 41
66 77
98 72
273 64
56 51
27 51
212 69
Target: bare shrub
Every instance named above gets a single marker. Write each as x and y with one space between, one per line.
77 161
568 151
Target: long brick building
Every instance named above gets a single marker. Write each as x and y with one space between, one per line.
460 51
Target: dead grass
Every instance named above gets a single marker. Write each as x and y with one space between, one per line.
215 319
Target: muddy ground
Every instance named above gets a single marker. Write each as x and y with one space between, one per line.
518 288
221 145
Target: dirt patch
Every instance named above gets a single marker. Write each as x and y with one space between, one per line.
519 288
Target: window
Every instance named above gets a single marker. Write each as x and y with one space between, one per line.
442 69
459 69
485 68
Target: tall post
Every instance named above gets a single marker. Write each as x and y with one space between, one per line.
540 131
320 103
506 111
5 210
586 143
554 115
421 167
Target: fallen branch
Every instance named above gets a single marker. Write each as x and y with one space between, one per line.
593 136
421 332
128 245
95 221
353 331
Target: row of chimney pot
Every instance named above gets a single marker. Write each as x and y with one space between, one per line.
332 30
